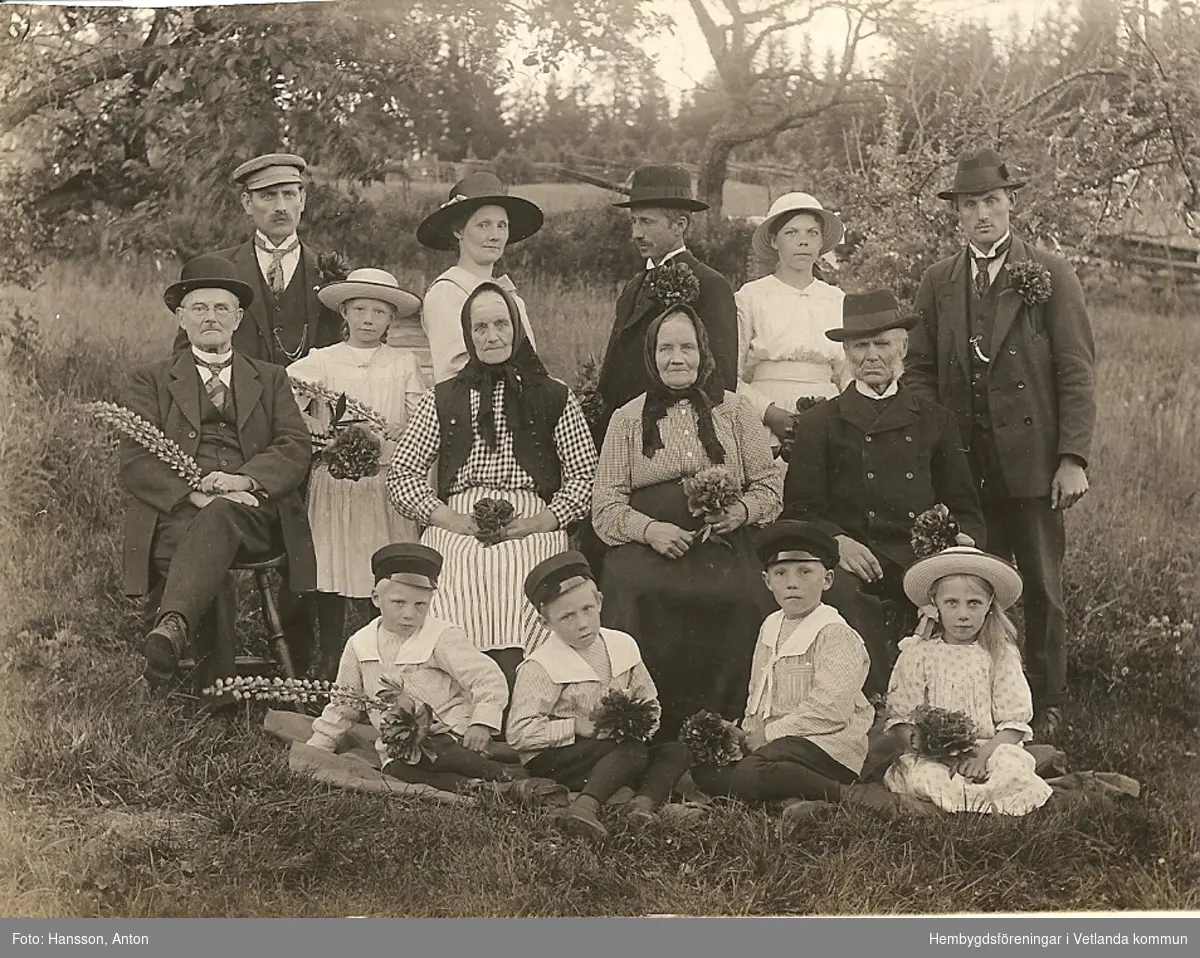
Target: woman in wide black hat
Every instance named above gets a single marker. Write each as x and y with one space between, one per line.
479 221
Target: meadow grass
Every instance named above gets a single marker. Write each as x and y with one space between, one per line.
120 805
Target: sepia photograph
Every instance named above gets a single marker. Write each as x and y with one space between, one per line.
601 459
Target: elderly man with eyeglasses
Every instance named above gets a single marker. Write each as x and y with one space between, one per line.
238 419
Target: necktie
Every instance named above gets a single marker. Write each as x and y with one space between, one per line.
217 391
275 270
983 279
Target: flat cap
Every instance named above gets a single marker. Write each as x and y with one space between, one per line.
270 169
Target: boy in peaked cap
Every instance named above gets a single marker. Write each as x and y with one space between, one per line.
560 684
806 718
437 666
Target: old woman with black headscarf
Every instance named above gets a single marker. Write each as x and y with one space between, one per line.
501 429
694 600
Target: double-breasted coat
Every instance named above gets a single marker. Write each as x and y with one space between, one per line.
254 337
1041 380
868 474
274 442
623 375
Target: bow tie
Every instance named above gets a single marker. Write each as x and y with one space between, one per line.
214 368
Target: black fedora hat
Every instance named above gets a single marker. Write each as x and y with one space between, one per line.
665 186
979 172
468 195
864 314
208 272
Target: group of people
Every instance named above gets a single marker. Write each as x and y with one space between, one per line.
782 624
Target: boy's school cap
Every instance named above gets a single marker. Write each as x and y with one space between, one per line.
556 575
408 562
790 540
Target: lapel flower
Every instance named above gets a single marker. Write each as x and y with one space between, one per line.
674 284
331 268
1031 280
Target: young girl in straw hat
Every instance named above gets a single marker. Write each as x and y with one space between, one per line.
351 519
783 354
970 663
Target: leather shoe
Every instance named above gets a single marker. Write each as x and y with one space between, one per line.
165 644
1046 723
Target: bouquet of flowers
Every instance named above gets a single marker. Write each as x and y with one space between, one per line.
403 725
349 451
674 284
710 739
943 735
622 717
932 531
492 516
804 403
149 437
331 268
710 492
1031 280
587 390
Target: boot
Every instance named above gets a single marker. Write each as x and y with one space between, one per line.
641 810
797 811
580 819
165 645
533 792
879 799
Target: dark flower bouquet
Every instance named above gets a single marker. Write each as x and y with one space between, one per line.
404 723
1031 280
674 284
331 268
710 492
622 717
349 451
587 390
943 735
805 403
710 739
492 516
932 531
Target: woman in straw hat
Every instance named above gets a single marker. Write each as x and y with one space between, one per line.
969 664
479 221
783 354
351 519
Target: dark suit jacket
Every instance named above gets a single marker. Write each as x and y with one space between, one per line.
254 337
869 478
274 440
1041 382
623 376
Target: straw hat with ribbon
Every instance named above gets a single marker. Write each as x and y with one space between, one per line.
924 574
370 284
783 209
468 195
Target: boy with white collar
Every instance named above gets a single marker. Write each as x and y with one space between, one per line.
438 666
806 719
561 683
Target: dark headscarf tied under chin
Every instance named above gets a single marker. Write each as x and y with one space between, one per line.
707 391
523 373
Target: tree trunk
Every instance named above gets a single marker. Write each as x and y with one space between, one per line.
714 170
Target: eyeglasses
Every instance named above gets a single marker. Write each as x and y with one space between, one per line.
220 310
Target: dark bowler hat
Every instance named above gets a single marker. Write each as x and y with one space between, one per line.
790 540
468 195
556 575
864 314
408 562
208 272
665 186
979 172
270 169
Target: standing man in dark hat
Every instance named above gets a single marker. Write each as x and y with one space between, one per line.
1004 341
660 208
237 418
865 464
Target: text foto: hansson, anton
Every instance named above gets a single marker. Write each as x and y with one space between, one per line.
1045 941
54 938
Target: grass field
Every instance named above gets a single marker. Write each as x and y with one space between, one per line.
118 805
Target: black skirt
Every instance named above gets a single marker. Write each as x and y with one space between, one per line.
695 618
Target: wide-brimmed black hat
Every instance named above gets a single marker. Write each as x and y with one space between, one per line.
665 186
468 195
864 314
979 172
208 272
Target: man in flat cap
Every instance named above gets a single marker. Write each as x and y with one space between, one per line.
237 418
1004 342
286 319
865 464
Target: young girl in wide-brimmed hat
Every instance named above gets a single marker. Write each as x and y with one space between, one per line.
969 664
350 519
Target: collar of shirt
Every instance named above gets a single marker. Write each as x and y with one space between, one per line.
226 374
650 264
870 393
994 265
270 246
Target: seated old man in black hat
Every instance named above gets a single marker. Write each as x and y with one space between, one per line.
237 418
868 462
